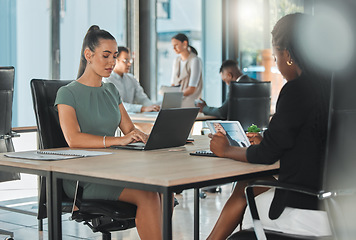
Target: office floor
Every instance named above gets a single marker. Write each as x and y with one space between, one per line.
22 194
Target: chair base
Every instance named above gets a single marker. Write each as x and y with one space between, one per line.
249 234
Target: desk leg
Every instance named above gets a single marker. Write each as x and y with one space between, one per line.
167 215
196 213
49 203
57 207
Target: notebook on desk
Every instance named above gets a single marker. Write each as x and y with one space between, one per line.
53 155
171 129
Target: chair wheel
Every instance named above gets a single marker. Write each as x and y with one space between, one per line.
202 195
213 190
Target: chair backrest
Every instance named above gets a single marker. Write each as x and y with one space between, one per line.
50 134
7 75
340 164
250 103
44 93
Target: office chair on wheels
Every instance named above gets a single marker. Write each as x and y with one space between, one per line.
7 75
102 216
250 103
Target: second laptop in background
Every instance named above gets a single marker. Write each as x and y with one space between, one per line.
172 100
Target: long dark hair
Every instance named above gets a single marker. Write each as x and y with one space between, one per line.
91 41
182 37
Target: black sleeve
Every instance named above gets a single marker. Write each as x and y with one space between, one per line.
293 107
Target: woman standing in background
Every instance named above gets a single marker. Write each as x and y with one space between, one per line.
187 70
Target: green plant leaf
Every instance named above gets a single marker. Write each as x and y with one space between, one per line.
253 128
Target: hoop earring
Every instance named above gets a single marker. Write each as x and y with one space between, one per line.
289 62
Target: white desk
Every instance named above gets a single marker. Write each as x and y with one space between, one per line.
163 170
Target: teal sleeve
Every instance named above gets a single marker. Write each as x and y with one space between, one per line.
65 96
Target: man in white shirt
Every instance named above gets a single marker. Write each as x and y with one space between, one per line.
230 72
132 94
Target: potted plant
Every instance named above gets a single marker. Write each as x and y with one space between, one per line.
253 134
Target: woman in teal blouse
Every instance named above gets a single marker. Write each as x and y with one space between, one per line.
90 112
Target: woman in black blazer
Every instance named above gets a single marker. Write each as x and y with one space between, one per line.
296 136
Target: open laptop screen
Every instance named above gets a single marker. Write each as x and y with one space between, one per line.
171 129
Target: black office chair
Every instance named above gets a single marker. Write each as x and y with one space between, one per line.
339 192
250 103
100 215
7 75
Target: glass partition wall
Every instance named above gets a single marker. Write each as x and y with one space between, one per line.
75 19
201 22
220 30
174 16
25 44
30 43
256 19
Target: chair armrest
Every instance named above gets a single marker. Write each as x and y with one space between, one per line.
14 134
250 197
11 135
284 186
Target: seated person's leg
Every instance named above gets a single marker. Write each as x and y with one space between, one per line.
148 214
233 211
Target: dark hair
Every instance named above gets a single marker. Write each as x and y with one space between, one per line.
122 49
91 41
230 64
182 37
288 34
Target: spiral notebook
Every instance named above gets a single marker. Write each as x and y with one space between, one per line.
53 155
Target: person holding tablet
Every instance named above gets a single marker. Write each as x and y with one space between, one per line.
219 128
90 112
296 136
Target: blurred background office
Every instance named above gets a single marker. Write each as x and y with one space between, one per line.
42 39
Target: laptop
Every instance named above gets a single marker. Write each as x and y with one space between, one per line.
171 129
172 100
